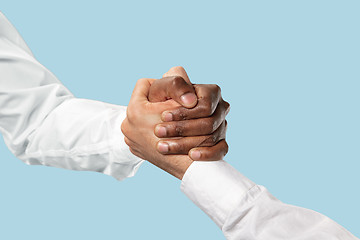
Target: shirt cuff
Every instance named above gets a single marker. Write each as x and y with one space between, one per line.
123 163
215 187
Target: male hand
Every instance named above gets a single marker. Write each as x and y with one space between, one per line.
142 116
199 131
138 128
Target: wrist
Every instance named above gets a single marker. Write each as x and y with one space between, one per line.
183 168
175 165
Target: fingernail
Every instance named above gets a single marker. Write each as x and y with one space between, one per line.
167 116
188 99
195 155
160 131
163 147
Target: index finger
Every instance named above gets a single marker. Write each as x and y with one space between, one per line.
174 87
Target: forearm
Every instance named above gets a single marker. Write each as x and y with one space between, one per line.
43 123
216 188
82 134
244 210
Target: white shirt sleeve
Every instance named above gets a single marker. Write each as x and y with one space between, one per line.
43 123
244 210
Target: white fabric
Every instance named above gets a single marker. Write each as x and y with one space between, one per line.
244 210
43 123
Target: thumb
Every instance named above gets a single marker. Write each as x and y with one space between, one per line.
176 85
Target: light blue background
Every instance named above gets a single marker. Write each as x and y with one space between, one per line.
290 70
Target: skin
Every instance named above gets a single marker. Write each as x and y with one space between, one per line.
202 129
176 118
138 129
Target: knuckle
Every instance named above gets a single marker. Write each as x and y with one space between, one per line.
209 125
177 81
179 129
133 113
221 131
214 125
226 106
226 148
215 88
175 129
180 147
183 115
210 140
206 108
213 138
180 114
218 89
225 127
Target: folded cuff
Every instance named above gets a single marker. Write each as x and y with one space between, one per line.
123 162
215 187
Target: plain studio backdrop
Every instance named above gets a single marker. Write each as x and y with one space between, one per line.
290 70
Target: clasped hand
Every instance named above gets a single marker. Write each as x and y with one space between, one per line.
171 122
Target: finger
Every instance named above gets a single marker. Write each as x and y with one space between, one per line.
227 107
209 97
202 110
175 88
214 153
141 90
185 144
191 127
139 99
178 71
